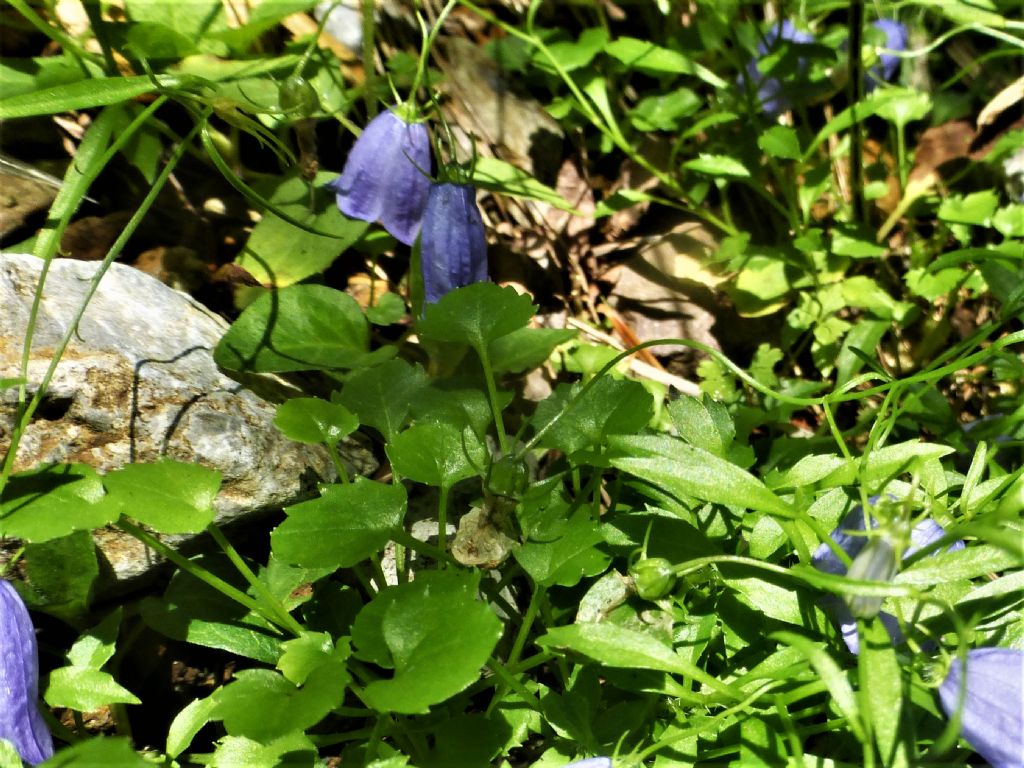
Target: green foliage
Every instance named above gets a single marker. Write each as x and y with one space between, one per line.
341 528
654 596
299 328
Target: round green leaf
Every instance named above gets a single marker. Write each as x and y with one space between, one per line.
436 454
299 328
51 502
344 526
477 315
432 662
312 420
169 496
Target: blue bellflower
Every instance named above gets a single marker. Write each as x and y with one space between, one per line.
385 176
774 96
453 246
20 720
888 65
871 560
992 718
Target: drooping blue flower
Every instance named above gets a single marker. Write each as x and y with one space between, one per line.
385 176
774 96
874 564
453 246
592 762
992 717
896 39
20 720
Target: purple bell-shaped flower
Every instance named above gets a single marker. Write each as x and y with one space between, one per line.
992 717
773 95
385 177
20 720
869 562
453 246
896 39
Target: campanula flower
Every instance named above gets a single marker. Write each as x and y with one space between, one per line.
896 39
592 762
992 717
453 247
385 176
774 96
20 720
873 559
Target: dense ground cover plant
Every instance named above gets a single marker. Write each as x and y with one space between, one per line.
816 560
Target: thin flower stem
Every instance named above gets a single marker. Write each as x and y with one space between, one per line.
442 522
339 465
269 602
192 569
400 536
513 682
46 248
527 624
492 395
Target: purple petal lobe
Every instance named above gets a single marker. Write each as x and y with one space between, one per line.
774 96
385 176
453 245
992 718
20 720
592 762
896 39
926 533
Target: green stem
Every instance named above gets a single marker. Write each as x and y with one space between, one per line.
192 569
442 522
405 538
492 395
607 128
269 602
93 162
339 465
511 681
428 44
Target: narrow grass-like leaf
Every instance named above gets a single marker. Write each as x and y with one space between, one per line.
85 94
831 675
689 472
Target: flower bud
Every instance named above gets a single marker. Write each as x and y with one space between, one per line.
298 96
876 562
654 577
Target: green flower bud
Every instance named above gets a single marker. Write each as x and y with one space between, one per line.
654 577
298 96
876 562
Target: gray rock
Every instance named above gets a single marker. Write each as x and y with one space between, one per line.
137 383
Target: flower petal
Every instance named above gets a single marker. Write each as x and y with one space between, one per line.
453 247
896 39
385 176
992 718
772 95
592 762
21 723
